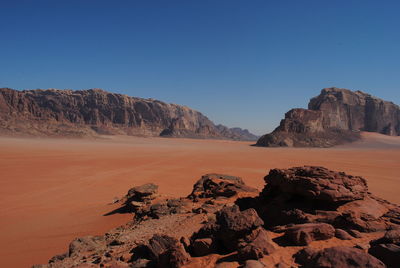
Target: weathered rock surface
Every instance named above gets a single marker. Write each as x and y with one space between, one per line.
303 206
92 112
219 185
256 245
335 117
317 183
304 234
387 248
341 257
163 251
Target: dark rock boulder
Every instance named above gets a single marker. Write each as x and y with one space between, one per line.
219 185
142 193
203 246
163 251
304 234
387 248
316 183
390 237
389 254
235 224
256 245
340 257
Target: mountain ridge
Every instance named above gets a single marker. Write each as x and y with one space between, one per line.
92 112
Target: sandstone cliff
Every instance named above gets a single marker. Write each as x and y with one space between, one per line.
335 117
95 111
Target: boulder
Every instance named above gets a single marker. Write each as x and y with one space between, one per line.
316 183
235 224
304 234
253 264
203 246
342 257
389 254
256 245
219 185
232 219
342 234
163 251
142 193
390 237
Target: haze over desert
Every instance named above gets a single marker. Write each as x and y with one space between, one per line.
54 190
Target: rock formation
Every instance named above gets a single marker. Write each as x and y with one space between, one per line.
334 117
93 112
304 217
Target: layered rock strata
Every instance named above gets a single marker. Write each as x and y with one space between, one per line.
335 117
95 111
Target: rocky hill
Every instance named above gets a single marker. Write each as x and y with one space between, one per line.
304 217
334 117
95 111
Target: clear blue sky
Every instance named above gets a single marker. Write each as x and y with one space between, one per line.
241 63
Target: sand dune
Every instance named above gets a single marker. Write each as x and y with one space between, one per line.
53 190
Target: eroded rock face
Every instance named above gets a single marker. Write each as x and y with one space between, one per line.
335 117
95 111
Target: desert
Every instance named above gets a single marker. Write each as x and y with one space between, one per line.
199 134
54 190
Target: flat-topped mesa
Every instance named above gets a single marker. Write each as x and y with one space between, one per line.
335 117
92 112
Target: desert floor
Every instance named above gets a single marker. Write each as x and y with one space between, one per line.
53 190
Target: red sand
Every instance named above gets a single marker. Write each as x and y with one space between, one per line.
53 190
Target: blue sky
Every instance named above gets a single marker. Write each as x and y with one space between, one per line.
241 63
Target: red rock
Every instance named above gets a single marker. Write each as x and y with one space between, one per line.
342 234
316 183
343 257
256 245
219 185
303 234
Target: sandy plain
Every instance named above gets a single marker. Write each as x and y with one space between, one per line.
53 190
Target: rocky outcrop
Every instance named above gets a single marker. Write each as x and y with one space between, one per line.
95 111
219 185
335 117
387 248
304 217
340 257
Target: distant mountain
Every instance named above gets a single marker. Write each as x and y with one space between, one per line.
334 117
92 112
237 133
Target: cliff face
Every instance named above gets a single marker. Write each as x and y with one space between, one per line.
92 112
335 117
